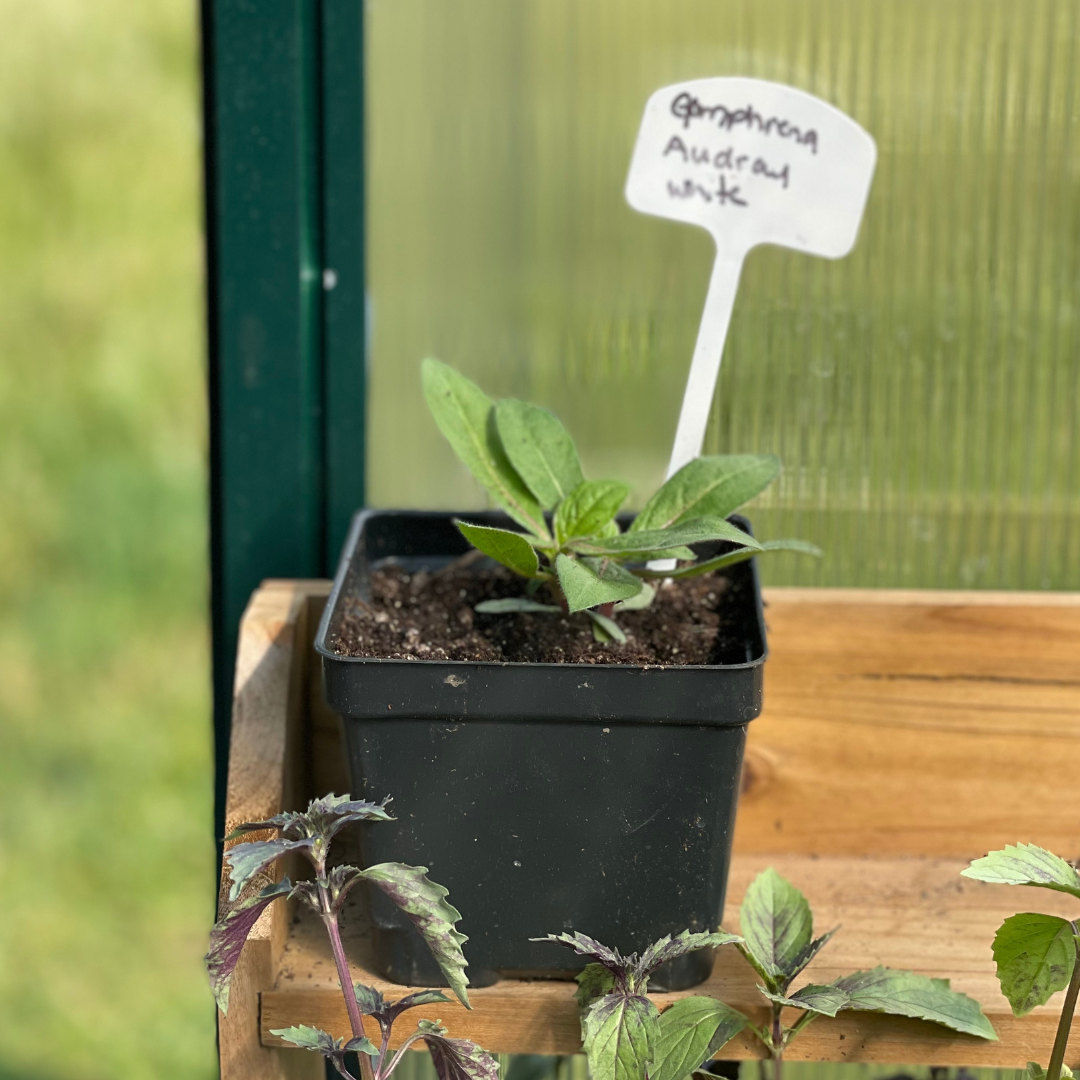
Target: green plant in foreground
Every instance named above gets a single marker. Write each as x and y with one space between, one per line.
309 834
1036 955
527 461
627 1038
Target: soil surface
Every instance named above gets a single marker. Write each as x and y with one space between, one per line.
430 616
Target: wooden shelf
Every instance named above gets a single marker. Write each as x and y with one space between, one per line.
904 733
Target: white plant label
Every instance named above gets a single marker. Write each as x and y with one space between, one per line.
753 162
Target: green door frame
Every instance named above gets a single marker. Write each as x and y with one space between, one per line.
284 203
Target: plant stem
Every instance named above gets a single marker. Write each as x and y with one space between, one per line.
356 1020
777 1042
1061 1040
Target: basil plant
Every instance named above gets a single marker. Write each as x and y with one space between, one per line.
571 541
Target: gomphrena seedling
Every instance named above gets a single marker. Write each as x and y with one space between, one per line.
572 543
309 834
1036 954
627 1038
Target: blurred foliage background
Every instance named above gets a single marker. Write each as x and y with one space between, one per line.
106 837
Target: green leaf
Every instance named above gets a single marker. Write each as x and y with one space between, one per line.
708 487
369 999
640 602
584 588
512 603
691 1032
465 415
777 927
228 937
509 548
671 948
1026 864
588 508
1036 1072
425 904
246 860
606 630
691 532
361 1044
621 1033
594 982
1034 956
825 1000
903 993
309 1038
540 449
459 1059
742 555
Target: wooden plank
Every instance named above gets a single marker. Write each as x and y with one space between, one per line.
911 913
897 725
265 769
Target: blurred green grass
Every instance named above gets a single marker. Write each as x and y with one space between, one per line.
106 843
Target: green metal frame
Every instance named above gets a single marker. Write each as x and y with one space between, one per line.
284 110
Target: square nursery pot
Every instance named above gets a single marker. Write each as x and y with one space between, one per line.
545 797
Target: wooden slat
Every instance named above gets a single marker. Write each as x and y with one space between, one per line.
897 726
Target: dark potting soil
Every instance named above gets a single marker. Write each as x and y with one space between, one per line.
430 616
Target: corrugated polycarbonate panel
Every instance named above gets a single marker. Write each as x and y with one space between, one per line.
924 392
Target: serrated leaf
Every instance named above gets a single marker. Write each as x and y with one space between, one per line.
721 562
818 998
369 999
430 1027
777 927
509 548
1026 864
540 450
424 902
584 945
811 951
671 948
903 993
326 817
712 486
361 1044
588 508
512 604
246 860
645 541
466 416
691 1032
460 1059
594 982
606 630
584 588
309 1038
1034 955
621 1033
228 937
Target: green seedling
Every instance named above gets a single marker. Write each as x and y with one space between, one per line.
572 543
627 1038
309 834
1036 955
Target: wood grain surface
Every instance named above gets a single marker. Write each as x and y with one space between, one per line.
903 734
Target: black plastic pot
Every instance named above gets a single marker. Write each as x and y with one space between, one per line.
545 797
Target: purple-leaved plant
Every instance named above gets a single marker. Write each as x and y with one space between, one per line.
310 833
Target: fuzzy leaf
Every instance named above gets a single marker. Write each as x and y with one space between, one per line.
1034 956
340 880
584 588
712 486
459 1059
326 817
228 937
606 630
426 906
741 555
691 1032
588 508
466 416
903 993
817 998
594 982
246 860
509 548
621 1033
671 948
776 926
540 450
309 1038
584 945
645 541
1026 864
511 604
640 602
